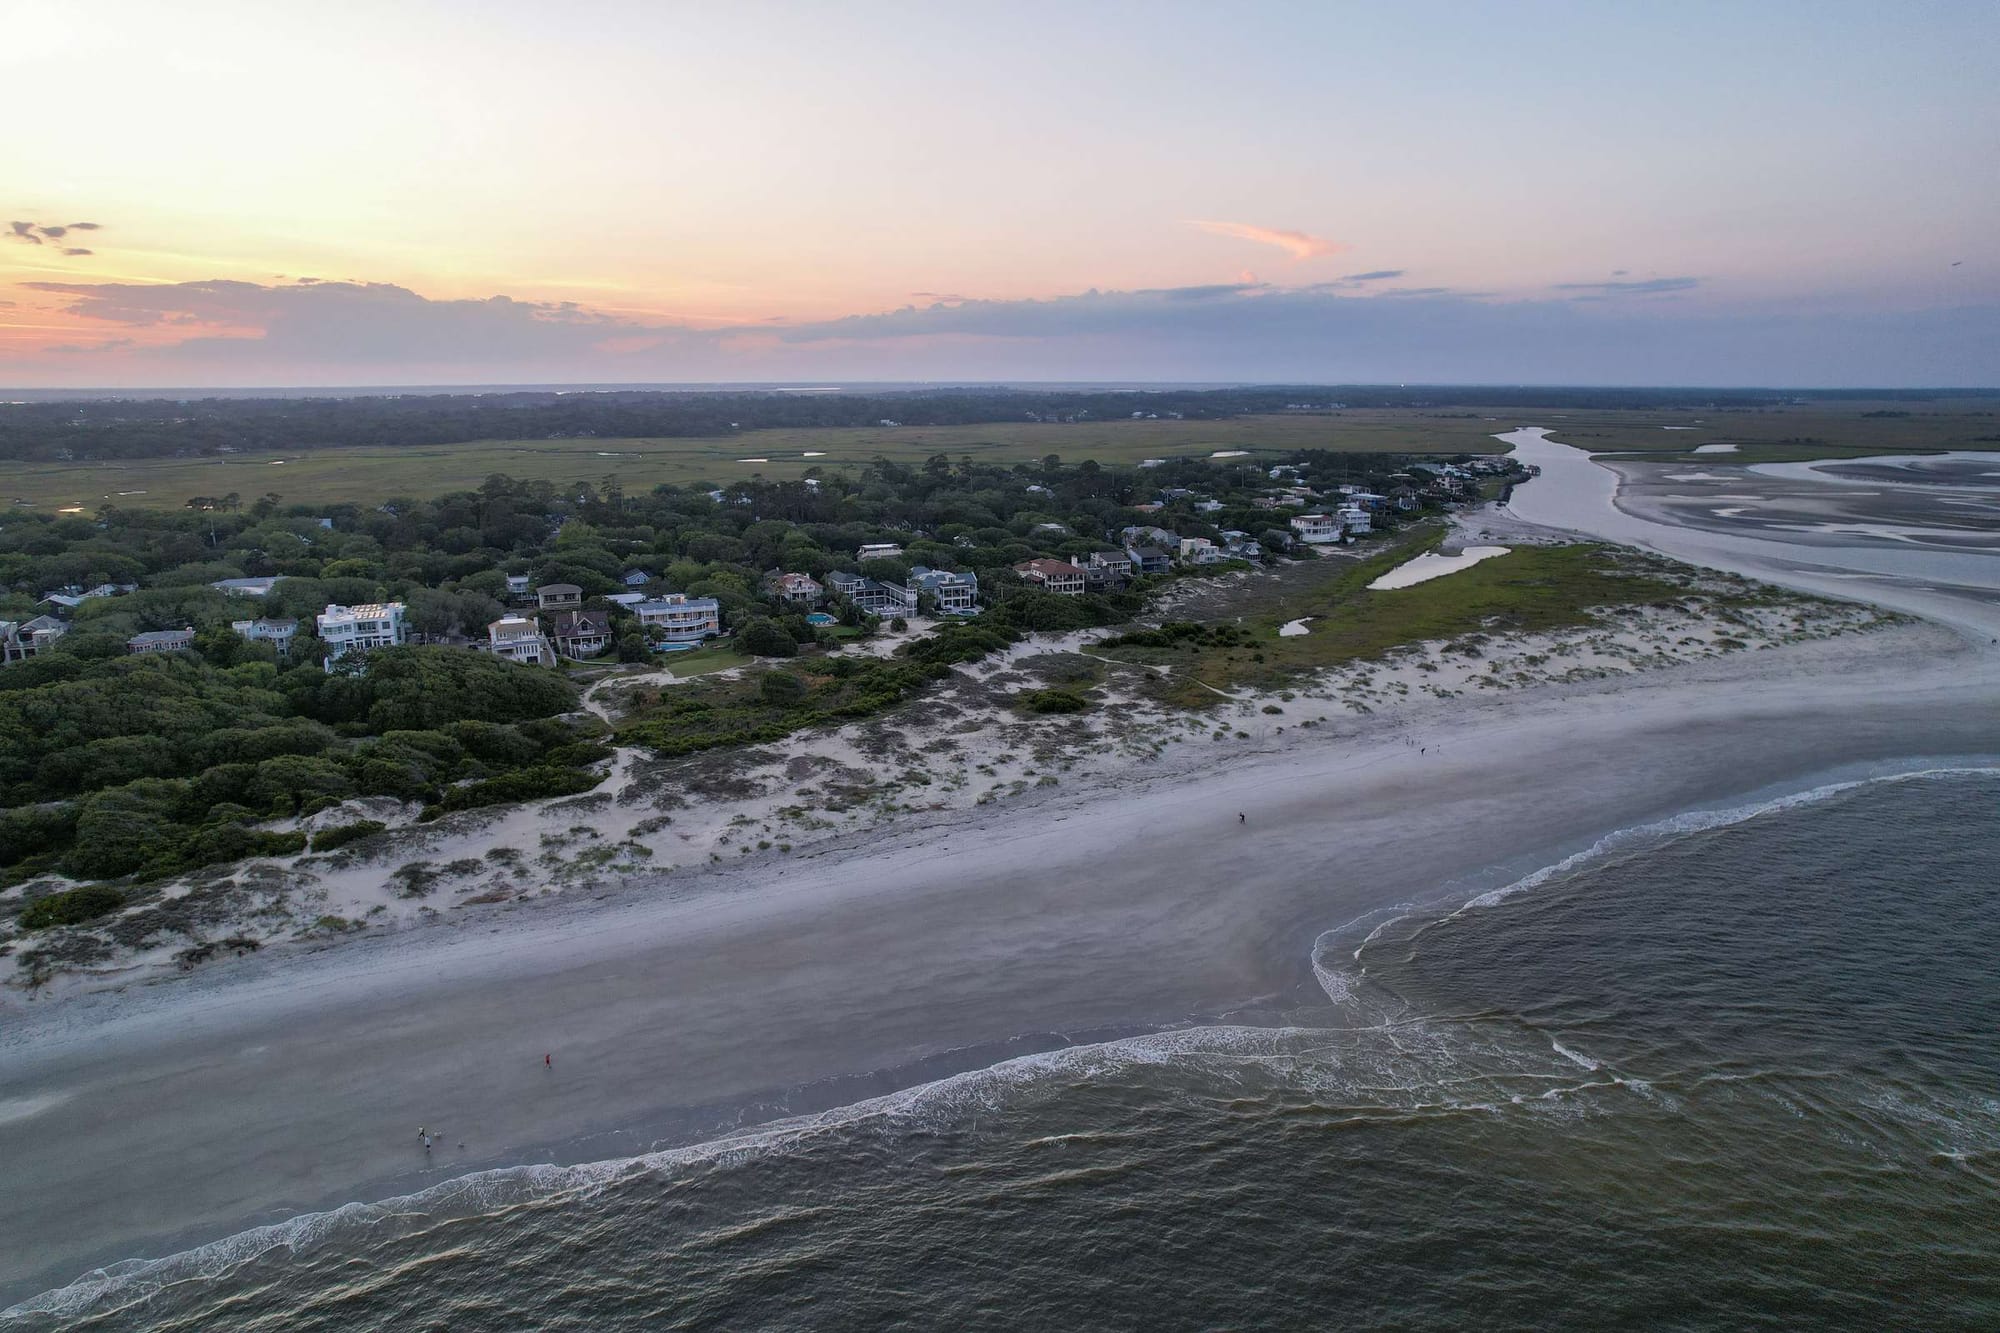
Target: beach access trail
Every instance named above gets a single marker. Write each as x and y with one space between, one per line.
142 1122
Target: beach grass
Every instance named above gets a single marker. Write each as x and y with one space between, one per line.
1530 590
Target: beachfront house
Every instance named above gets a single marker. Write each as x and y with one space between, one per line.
1149 559
1199 551
1355 519
518 586
278 633
161 641
579 635
1318 529
799 590
558 597
1241 545
1115 564
871 596
678 618
1056 576
347 629
957 594
519 639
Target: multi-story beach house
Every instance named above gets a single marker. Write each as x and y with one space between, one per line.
1115 564
518 586
1318 529
580 634
871 596
1149 559
559 597
1355 519
519 639
1056 576
347 629
278 633
22 640
161 641
678 618
957 593
799 590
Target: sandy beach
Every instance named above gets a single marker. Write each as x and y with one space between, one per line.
139 1122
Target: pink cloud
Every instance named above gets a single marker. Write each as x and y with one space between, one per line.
1298 244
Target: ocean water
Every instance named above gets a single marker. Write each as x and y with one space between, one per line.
1736 1071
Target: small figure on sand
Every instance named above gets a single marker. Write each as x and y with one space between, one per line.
422 1134
548 1062
1242 818
427 1143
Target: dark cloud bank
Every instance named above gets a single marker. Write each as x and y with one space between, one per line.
1624 332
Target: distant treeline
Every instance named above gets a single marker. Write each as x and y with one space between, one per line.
158 428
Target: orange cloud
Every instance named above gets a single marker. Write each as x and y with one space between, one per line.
1297 244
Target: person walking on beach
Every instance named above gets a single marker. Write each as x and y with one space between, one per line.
548 1062
1242 818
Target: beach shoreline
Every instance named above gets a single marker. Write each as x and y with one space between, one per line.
156 1116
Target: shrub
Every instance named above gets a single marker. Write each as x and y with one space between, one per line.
1053 701
527 784
782 688
71 906
763 638
339 835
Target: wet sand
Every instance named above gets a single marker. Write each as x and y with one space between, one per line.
143 1122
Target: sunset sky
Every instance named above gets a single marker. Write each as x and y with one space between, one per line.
496 192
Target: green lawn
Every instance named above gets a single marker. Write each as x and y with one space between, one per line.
702 661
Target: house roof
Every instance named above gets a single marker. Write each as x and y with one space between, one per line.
570 623
560 588
161 636
1049 568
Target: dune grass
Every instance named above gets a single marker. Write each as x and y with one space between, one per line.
1530 590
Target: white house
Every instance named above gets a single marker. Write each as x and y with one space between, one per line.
519 639
278 633
879 551
1116 564
347 629
517 585
1355 519
678 618
1318 529
1056 576
28 638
